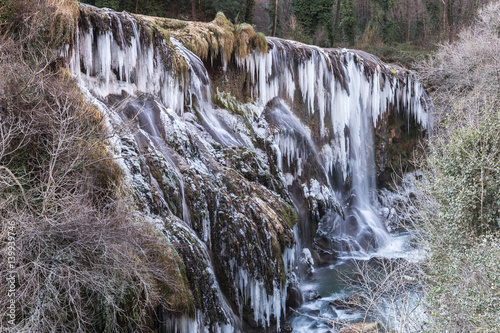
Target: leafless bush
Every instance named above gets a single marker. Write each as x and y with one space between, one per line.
83 260
389 292
466 74
457 203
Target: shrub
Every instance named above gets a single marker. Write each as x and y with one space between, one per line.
83 260
459 201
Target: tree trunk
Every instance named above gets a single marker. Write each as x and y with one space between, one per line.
249 11
136 6
193 9
408 18
336 24
275 22
446 19
450 22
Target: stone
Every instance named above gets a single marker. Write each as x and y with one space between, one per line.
361 328
311 295
350 303
294 298
307 261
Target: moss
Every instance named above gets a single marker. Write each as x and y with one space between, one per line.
50 23
290 215
180 298
393 71
228 102
213 40
172 24
261 43
222 21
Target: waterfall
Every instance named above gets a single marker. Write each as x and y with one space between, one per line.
224 183
347 92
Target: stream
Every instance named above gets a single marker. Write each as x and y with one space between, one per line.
340 281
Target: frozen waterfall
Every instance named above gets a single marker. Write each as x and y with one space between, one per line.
303 139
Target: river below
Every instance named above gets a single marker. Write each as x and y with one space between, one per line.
379 287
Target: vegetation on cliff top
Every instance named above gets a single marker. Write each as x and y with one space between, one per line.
218 38
401 31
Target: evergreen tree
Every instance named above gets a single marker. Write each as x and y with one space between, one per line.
384 23
349 21
313 14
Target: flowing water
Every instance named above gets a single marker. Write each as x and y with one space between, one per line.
340 281
314 110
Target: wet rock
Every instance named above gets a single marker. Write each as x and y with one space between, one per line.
311 295
352 302
319 324
330 312
294 298
307 261
314 313
324 246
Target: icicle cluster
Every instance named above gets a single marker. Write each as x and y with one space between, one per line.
264 305
337 85
109 65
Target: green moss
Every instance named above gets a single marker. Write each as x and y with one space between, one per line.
261 42
222 21
219 38
290 215
228 102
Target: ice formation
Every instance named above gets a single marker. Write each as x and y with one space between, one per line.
344 92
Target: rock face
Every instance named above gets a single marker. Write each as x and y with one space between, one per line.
241 150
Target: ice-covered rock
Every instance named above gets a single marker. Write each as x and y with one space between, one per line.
242 186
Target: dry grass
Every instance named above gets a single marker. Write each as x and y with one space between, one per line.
83 260
219 38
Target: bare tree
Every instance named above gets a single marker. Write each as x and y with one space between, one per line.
390 290
193 10
82 259
275 18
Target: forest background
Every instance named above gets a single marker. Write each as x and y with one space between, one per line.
399 31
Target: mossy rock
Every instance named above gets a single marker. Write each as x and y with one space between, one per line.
219 39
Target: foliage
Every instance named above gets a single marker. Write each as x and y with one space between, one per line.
313 14
349 21
392 22
463 76
235 10
459 200
381 20
219 39
406 55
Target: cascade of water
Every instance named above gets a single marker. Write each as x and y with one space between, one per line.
347 95
199 92
316 108
107 66
129 63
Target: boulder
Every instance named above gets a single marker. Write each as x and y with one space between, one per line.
294 298
352 302
311 295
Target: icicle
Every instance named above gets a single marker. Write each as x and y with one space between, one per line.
264 306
